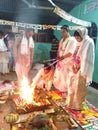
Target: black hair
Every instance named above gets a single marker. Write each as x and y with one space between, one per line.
76 34
47 66
66 27
2 33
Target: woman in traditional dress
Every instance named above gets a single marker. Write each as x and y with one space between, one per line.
81 70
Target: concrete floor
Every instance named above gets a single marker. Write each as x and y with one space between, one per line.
92 96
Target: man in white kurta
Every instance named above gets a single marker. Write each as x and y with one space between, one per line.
23 54
66 49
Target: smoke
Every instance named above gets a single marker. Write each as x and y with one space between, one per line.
27 13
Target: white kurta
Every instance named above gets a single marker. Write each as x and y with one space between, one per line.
60 76
22 55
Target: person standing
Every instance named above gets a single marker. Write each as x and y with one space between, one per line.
23 53
66 49
81 72
4 57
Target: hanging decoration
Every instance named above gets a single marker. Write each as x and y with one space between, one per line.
26 25
36 27
63 14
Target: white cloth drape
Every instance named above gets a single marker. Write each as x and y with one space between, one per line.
26 44
87 54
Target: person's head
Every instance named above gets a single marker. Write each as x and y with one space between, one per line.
47 68
1 34
80 33
29 33
65 31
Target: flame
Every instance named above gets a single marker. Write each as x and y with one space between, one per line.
27 93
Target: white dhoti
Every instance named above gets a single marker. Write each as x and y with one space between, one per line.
60 77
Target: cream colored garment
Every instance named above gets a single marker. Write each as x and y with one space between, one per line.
60 75
77 90
26 44
22 55
87 54
65 47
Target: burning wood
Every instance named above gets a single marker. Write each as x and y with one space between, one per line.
29 99
24 107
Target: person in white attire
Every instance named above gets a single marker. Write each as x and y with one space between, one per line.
65 51
4 57
81 70
23 53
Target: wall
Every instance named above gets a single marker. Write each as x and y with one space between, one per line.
41 52
91 16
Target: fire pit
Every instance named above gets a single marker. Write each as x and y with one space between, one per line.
40 102
29 99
